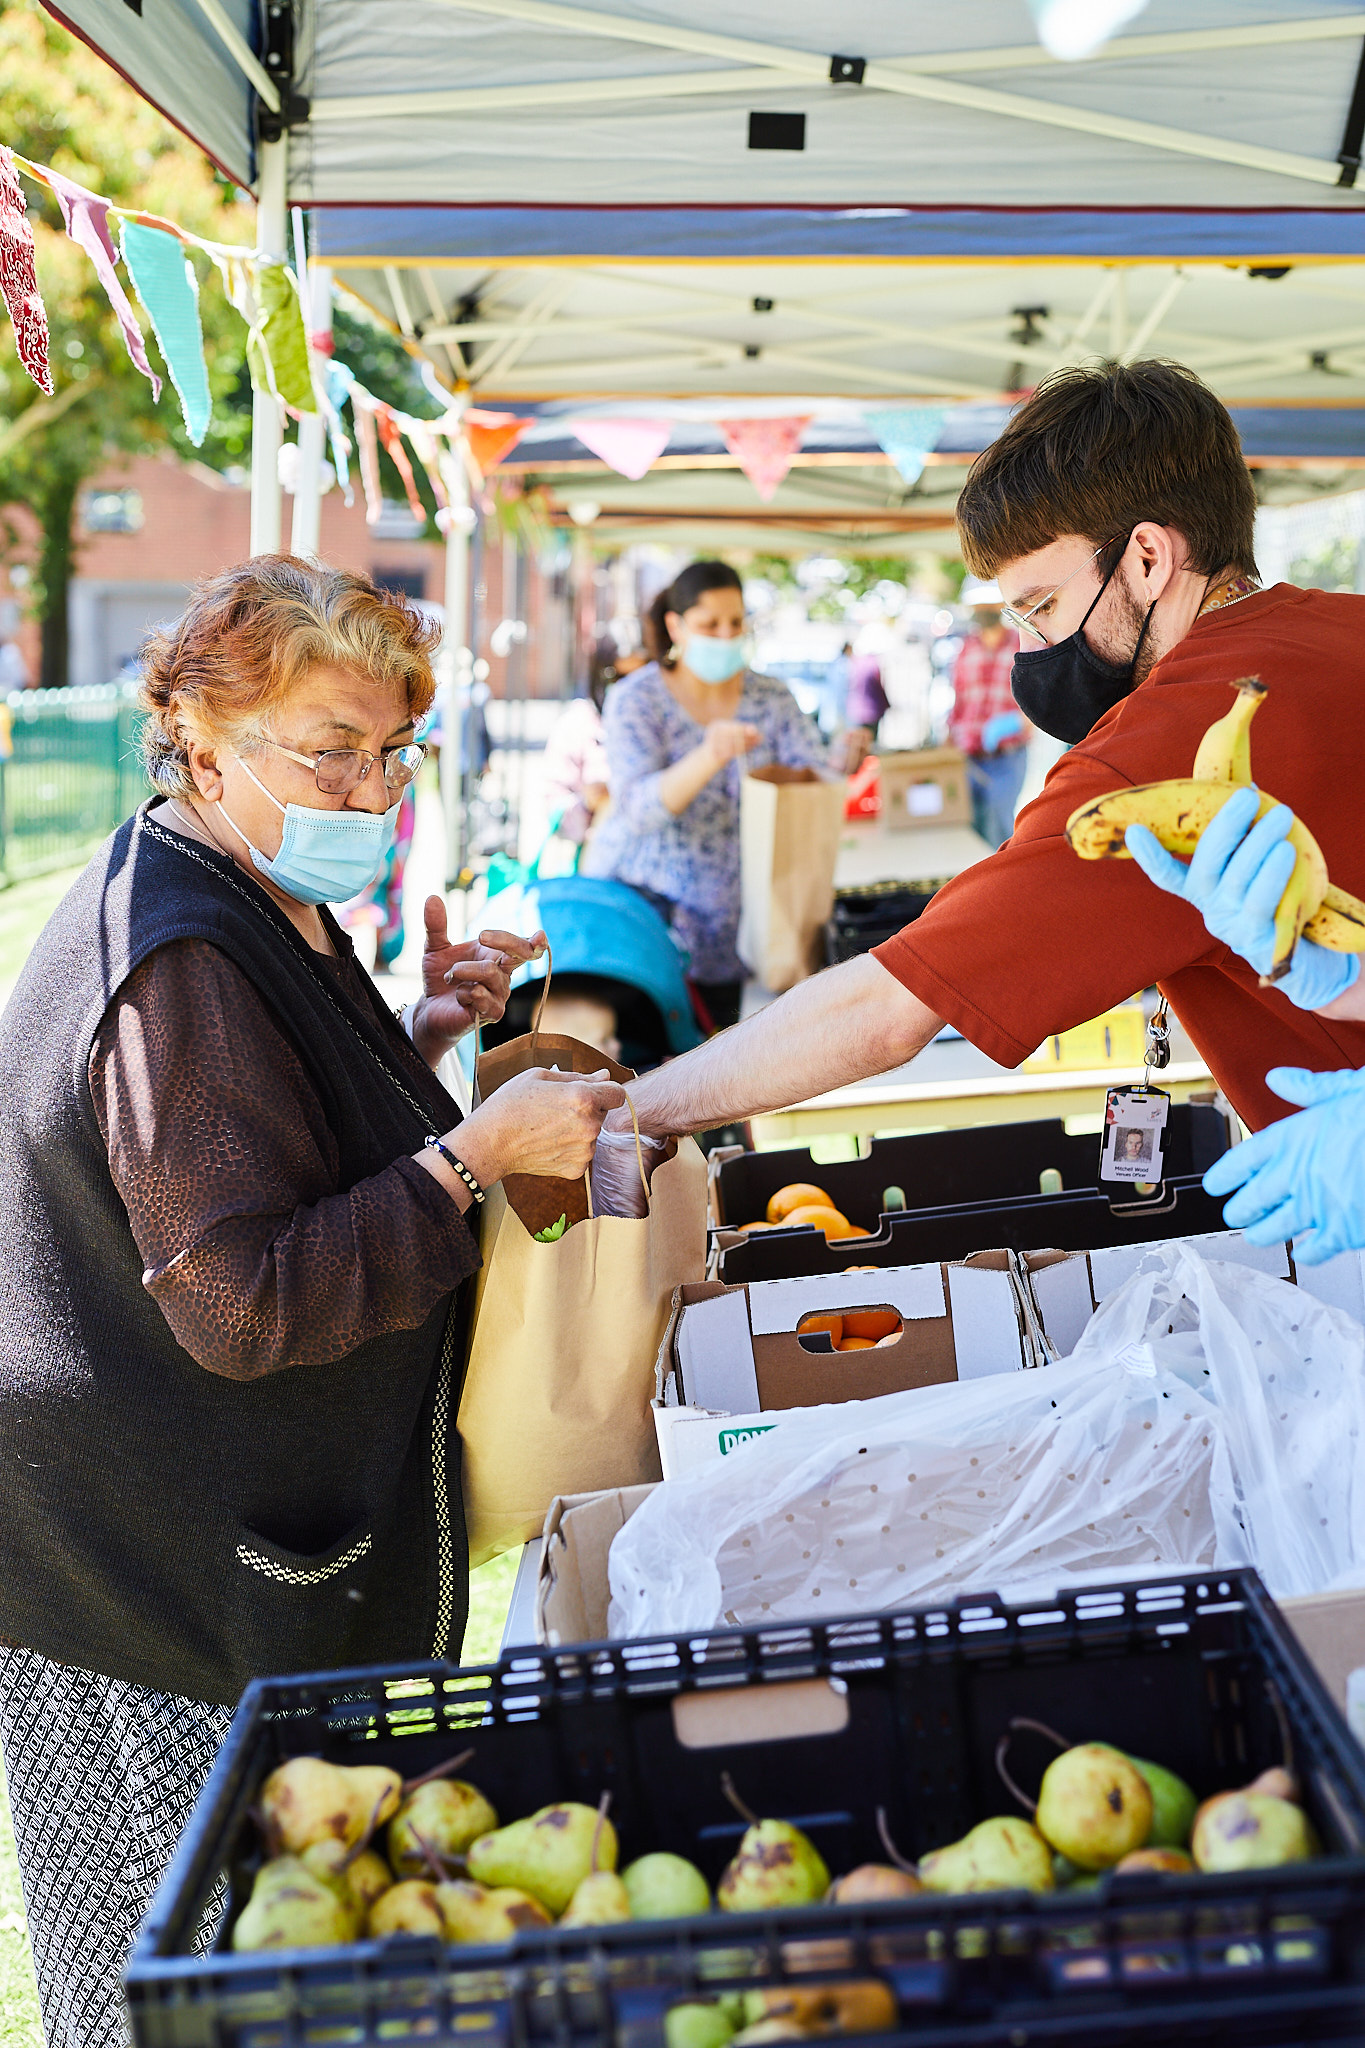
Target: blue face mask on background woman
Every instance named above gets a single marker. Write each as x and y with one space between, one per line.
712 660
324 856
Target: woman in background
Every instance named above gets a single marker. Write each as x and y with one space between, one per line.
680 733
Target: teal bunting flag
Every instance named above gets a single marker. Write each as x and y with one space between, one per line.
908 434
169 290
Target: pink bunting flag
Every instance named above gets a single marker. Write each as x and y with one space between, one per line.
630 447
86 217
424 444
19 277
367 448
764 448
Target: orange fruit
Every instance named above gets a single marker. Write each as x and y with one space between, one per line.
753 1226
871 1322
809 1326
855 1344
823 1217
798 1194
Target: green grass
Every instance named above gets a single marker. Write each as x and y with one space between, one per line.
490 1589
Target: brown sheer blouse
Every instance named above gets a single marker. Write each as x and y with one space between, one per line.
224 1161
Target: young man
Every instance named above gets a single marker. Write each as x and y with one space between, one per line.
1116 513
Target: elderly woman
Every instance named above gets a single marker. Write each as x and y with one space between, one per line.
679 733
235 1201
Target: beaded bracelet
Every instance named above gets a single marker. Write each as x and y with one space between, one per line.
456 1166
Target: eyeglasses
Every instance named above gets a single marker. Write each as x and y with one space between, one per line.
338 770
1020 620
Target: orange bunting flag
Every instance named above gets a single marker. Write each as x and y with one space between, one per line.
491 435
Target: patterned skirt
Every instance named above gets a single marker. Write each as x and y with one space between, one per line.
102 1778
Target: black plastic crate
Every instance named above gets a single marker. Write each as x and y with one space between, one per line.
1076 1220
981 1163
866 917
1204 1674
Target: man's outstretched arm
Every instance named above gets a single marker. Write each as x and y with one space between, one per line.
850 1022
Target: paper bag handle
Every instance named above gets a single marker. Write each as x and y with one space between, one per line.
544 998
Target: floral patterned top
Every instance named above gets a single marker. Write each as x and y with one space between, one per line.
691 860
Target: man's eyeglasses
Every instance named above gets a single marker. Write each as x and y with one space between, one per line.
1021 620
338 770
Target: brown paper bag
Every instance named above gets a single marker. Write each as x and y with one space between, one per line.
789 826
564 1335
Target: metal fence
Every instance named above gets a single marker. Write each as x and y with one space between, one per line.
71 775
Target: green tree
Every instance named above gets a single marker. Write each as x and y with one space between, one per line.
63 106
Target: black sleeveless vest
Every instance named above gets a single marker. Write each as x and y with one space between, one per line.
159 1522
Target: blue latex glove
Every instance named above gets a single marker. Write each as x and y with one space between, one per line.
1003 726
1305 1176
1239 873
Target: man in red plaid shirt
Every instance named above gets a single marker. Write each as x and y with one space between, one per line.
986 722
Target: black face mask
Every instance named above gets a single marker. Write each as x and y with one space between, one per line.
1066 689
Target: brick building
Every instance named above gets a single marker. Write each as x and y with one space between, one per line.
149 526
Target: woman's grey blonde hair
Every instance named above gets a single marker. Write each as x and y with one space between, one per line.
249 636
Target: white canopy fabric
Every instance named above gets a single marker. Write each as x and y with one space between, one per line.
1212 104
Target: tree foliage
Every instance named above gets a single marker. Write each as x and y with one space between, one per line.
63 106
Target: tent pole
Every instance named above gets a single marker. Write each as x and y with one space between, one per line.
456 660
272 223
307 527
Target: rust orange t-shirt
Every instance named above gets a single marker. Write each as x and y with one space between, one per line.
1035 940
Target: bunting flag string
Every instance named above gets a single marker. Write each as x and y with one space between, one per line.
764 448
19 277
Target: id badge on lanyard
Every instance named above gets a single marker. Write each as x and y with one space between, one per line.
1135 1120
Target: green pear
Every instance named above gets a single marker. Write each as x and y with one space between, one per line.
665 1887
548 1855
698 2026
872 1881
290 1907
358 1880
448 1814
775 1865
1005 1854
1251 1831
472 1913
1174 1805
307 1800
1094 1805
407 1908
764 2031
598 1900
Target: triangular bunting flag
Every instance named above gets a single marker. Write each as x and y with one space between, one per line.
283 338
907 433
367 448
398 456
169 291
19 277
764 449
630 447
491 435
86 217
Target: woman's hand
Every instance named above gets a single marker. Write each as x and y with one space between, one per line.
727 738
541 1122
464 984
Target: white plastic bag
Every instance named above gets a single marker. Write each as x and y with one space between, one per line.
1006 1483
1286 1375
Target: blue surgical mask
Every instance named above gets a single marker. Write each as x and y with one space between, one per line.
712 660
324 856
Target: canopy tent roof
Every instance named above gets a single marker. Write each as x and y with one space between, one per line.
1214 104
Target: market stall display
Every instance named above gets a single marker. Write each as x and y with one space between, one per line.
850 1744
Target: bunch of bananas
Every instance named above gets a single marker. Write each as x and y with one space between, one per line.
1178 812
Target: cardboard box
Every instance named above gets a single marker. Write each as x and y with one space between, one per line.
573 1594
731 1362
926 787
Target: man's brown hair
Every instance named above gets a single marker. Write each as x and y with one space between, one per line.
1101 447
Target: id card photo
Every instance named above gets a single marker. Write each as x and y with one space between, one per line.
1134 1120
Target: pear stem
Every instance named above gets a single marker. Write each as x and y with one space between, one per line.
901 1862
444 1770
727 1786
432 1860
1002 1751
603 1803
367 1835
